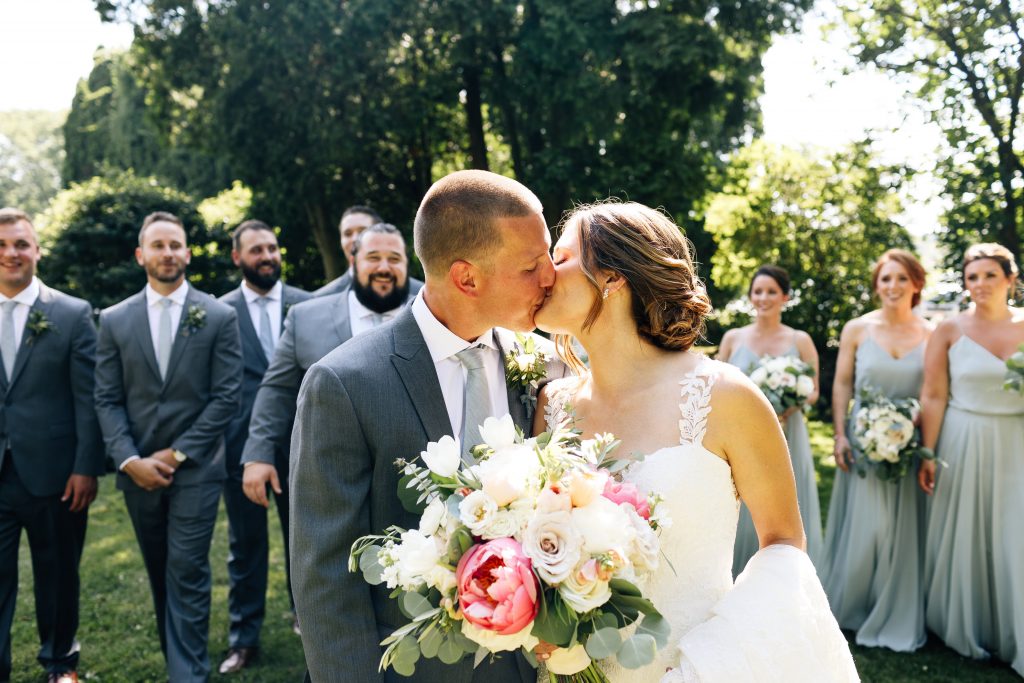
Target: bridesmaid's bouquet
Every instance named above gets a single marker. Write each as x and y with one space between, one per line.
1014 380
787 381
538 541
885 430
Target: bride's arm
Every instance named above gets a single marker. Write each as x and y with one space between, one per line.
744 429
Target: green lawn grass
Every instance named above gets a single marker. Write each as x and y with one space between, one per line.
118 631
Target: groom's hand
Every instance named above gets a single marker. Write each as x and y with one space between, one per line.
150 473
255 479
81 489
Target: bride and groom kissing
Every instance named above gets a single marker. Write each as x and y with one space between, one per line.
622 281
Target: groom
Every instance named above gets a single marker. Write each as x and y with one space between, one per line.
437 367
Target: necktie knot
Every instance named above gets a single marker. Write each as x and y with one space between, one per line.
8 306
472 358
165 302
262 301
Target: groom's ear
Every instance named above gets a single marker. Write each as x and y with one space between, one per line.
463 275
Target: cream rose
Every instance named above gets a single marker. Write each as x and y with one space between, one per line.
554 545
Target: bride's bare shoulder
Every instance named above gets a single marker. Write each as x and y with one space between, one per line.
734 393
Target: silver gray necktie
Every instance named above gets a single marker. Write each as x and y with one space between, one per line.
163 339
378 319
266 336
476 402
8 347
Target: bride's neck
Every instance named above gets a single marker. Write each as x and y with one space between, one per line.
618 360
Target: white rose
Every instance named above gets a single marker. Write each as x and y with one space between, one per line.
443 457
498 643
554 545
774 381
568 661
442 579
507 473
584 591
805 385
415 557
646 548
525 361
787 380
553 499
433 517
498 433
603 526
477 511
504 524
759 376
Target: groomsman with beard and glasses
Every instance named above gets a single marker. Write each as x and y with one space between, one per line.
437 369
168 378
354 221
312 330
261 303
50 446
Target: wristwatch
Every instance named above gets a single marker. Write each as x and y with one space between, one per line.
179 457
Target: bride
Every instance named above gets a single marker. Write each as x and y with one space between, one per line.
704 437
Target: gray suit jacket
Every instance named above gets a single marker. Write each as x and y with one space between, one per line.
254 362
312 330
374 399
47 412
341 284
189 410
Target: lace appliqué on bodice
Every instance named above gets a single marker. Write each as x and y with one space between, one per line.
696 404
558 412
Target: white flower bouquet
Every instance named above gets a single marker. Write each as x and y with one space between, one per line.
1014 380
885 432
786 381
536 542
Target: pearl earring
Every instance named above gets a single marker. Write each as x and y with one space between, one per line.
604 295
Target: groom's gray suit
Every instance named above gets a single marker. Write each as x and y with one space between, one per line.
374 399
189 410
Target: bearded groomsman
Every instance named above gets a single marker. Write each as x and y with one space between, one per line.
261 303
168 377
50 448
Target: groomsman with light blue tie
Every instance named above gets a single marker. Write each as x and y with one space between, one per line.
50 448
261 303
168 378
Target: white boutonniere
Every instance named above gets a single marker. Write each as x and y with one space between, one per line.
194 320
38 325
525 366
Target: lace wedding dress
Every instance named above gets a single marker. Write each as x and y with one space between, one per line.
774 624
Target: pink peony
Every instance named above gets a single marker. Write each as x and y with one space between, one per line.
624 492
497 588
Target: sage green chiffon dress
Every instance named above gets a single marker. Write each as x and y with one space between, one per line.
795 430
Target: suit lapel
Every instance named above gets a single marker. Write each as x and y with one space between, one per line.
342 319
139 323
249 337
43 304
415 367
289 297
516 407
183 335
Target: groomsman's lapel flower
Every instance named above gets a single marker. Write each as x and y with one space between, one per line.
194 320
38 325
525 366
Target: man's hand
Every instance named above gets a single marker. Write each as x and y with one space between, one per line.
255 479
151 473
81 489
166 456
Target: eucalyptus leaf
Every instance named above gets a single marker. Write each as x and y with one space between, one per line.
450 651
403 668
430 641
657 627
409 497
605 620
604 643
369 564
637 651
556 621
415 604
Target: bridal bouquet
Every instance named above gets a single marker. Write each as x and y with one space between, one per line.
536 542
886 433
786 381
1014 380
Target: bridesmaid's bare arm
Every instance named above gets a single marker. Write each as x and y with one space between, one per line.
935 395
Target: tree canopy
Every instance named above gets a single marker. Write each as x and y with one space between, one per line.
31 150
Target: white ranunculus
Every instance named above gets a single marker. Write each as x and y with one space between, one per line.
525 361
584 592
603 526
433 517
443 457
507 473
805 385
415 557
553 499
554 545
568 661
477 512
586 485
498 433
504 524
499 643
759 376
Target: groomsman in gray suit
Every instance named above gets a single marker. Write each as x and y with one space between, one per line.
50 446
354 221
261 303
168 378
436 369
314 329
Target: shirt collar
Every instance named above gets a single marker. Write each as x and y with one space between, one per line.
26 296
177 296
442 342
251 295
357 310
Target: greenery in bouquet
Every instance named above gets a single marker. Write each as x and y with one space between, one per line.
1014 380
786 381
885 432
538 541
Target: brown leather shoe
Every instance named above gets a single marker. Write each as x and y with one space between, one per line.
238 658
64 677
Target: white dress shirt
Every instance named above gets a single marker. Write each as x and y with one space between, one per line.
153 298
25 299
361 317
443 344
252 298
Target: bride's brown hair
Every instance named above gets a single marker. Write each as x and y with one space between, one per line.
651 253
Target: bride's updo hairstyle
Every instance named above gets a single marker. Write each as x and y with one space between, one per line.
646 248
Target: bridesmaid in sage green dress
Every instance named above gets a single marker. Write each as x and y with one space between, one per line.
974 558
743 347
874 540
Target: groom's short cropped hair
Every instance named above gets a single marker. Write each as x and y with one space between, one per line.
458 215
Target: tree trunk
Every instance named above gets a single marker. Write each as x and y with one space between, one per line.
328 242
475 118
1009 236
